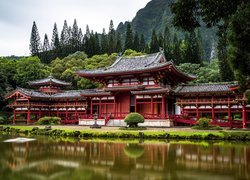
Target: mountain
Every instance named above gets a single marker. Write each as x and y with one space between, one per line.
156 15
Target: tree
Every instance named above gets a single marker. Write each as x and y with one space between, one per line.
154 45
136 43
239 36
192 54
75 41
55 39
176 50
129 37
142 43
104 42
132 119
167 42
35 42
46 49
218 13
28 69
111 38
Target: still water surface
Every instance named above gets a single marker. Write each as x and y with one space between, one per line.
48 158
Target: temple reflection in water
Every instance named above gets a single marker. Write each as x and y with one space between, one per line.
45 159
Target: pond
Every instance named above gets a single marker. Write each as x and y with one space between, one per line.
47 158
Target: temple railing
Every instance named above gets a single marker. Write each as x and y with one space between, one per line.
33 104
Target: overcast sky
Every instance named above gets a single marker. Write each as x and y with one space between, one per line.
16 17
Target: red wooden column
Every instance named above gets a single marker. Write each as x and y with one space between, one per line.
244 116
91 106
162 106
14 119
100 106
229 112
151 105
28 113
197 108
213 113
66 115
76 113
135 103
114 107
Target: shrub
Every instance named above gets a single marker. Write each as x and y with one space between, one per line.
2 120
204 122
133 119
46 120
134 151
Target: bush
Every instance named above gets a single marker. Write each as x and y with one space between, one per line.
48 121
204 122
133 119
2 120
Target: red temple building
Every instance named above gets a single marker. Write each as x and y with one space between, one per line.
148 84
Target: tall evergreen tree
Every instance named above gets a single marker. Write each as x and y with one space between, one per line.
136 42
35 42
46 48
154 45
167 42
104 42
142 43
55 43
111 38
226 73
176 50
129 37
192 51
118 47
64 35
75 41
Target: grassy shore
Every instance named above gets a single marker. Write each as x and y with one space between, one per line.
111 132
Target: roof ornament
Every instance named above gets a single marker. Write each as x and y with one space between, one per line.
161 50
120 54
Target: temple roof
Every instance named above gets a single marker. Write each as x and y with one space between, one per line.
48 81
205 88
40 95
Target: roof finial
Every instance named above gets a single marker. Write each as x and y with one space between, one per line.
120 54
161 49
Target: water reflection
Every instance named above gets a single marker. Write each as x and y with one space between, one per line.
50 159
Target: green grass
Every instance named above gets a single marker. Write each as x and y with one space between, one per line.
130 134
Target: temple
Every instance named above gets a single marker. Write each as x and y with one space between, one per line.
148 84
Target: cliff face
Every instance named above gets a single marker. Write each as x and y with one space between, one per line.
156 15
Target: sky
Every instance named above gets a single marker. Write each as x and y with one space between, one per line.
17 16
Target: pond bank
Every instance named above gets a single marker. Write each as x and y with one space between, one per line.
114 132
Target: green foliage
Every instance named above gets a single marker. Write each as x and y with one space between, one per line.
35 42
48 121
204 122
129 39
132 53
28 69
132 119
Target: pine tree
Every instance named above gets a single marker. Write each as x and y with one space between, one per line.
104 42
200 45
64 41
226 73
154 45
75 42
129 37
111 38
46 49
35 42
167 42
55 44
192 51
176 50
80 38
142 43
118 47
136 42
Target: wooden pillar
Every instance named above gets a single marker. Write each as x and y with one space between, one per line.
244 116
100 107
135 103
162 106
57 112
114 107
76 113
229 113
197 108
28 116
151 105
91 106
66 115
14 119
213 113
